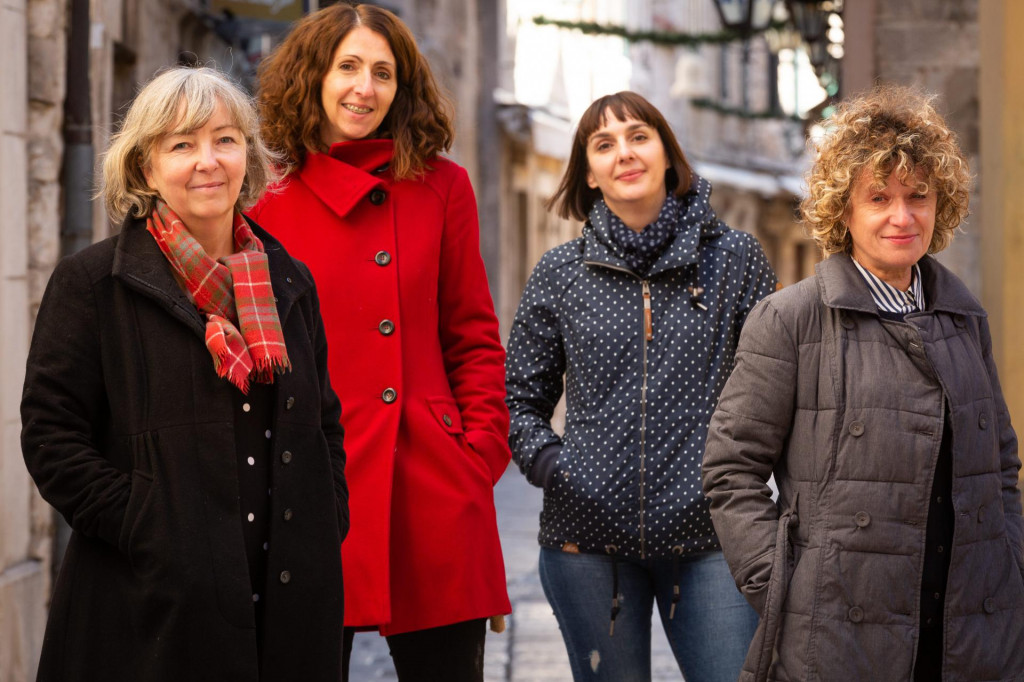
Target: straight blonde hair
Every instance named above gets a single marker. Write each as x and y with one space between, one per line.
179 100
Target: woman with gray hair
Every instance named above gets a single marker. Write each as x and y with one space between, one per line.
895 550
178 413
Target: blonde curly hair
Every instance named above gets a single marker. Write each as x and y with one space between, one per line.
891 128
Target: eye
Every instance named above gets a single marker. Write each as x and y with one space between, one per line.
226 139
640 137
346 66
919 195
384 75
178 146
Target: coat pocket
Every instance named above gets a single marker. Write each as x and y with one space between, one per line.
447 414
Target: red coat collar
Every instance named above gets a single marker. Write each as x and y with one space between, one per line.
348 166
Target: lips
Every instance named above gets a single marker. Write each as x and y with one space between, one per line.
630 175
901 239
208 185
357 109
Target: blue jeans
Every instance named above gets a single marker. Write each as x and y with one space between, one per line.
709 633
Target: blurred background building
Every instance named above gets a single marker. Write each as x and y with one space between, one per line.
742 89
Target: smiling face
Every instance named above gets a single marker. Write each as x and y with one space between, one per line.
891 227
359 87
199 173
626 162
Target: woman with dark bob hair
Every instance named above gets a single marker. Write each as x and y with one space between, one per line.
895 550
641 316
389 229
174 370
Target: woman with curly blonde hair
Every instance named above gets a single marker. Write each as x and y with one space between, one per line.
895 550
389 229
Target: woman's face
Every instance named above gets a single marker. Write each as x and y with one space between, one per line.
199 173
626 161
359 87
891 228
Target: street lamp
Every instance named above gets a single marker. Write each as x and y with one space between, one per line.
744 18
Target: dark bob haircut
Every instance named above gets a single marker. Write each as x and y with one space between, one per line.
574 197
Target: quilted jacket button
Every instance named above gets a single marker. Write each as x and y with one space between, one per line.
286 577
857 429
982 421
989 605
286 457
862 519
845 321
856 614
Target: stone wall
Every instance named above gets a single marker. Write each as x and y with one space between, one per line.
31 115
933 44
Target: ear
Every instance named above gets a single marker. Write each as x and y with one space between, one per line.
147 172
591 181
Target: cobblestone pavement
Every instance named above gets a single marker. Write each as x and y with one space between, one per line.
530 649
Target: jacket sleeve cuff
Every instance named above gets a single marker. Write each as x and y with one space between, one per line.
544 464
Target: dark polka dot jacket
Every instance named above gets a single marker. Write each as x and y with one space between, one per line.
644 360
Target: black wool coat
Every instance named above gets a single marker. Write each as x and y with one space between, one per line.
129 433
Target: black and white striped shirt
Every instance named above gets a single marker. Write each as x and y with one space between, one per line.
890 299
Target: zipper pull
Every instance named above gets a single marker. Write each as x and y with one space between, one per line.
648 317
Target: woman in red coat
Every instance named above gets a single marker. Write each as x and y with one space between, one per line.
389 230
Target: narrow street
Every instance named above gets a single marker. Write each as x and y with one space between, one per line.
530 649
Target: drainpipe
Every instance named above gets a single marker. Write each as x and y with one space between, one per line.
77 177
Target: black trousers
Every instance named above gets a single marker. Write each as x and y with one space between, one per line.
450 653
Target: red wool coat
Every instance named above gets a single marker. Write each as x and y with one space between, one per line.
415 355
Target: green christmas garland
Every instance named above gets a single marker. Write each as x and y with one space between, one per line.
656 37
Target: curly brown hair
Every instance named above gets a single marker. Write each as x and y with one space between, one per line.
890 128
574 196
419 120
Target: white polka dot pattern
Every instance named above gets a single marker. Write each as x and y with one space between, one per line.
628 473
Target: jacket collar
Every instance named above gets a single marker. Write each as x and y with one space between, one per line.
697 221
141 266
843 287
354 166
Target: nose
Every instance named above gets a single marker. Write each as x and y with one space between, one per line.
206 159
364 83
900 216
625 150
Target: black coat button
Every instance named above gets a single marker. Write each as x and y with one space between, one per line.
286 457
382 258
989 605
389 395
377 197
982 421
386 327
289 403
287 516
856 614
286 577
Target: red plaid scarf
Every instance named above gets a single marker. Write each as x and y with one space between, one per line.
233 292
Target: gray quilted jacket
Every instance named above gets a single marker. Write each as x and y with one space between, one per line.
848 411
